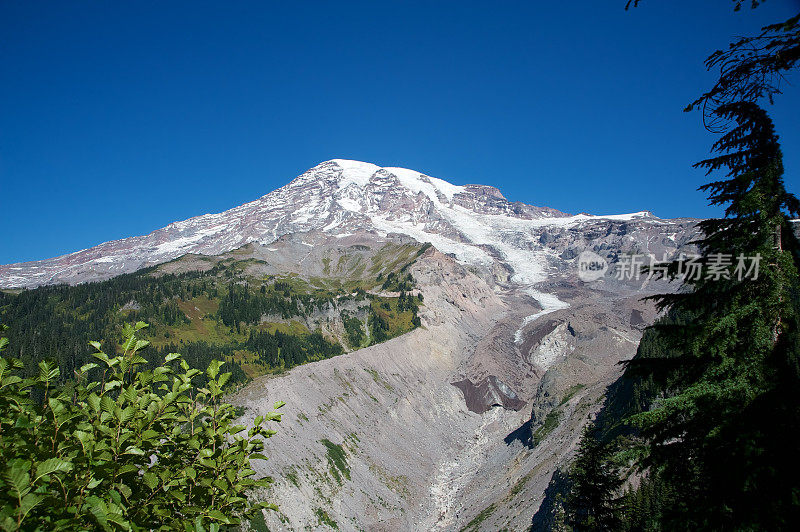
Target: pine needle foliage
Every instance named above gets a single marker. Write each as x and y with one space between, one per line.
737 4
751 69
134 450
593 500
718 430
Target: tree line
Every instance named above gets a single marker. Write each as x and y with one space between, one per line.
698 434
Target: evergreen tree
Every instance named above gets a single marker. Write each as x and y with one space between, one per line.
593 502
729 399
559 523
751 69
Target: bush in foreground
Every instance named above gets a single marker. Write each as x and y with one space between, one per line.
130 450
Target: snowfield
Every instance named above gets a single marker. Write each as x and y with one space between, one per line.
474 223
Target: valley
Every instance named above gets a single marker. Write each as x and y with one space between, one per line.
437 351
399 267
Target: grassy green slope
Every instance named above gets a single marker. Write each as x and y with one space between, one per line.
259 323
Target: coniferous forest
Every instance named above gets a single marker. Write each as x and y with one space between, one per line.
82 417
256 326
698 433
113 394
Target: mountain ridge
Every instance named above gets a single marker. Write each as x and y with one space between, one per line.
338 197
486 396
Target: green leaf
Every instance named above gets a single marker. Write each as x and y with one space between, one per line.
55 405
18 478
127 414
124 490
29 501
266 506
51 465
150 480
128 468
213 369
134 450
8 524
87 367
219 516
104 357
86 439
47 372
94 401
149 434
97 507
273 416
107 403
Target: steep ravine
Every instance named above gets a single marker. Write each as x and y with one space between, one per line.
364 434
379 439
382 438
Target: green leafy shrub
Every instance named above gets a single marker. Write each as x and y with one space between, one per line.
133 450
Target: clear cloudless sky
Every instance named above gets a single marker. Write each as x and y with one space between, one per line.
117 118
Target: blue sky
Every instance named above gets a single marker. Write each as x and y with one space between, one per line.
117 118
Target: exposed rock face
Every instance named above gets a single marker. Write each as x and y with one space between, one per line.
489 393
475 223
445 426
390 407
419 453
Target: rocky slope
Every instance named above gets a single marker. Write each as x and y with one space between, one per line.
473 222
383 438
455 425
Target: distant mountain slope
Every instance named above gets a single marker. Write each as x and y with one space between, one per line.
456 423
473 222
261 309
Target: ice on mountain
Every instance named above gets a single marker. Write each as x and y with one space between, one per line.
474 223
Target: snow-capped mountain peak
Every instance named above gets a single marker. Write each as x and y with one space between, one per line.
475 223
